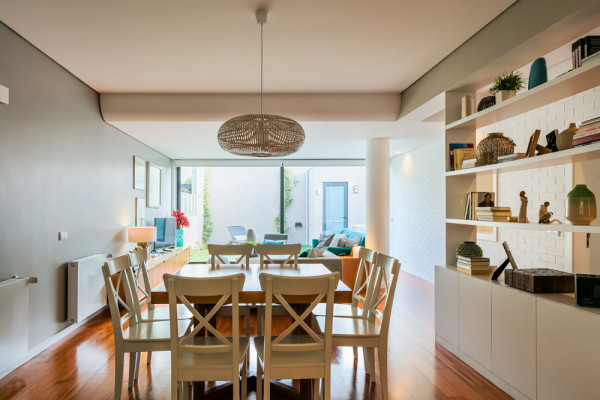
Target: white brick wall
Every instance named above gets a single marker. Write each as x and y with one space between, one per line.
533 249
417 209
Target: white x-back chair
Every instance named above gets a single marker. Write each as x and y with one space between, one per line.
207 358
306 356
138 336
142 294
242 252
371 331
265 252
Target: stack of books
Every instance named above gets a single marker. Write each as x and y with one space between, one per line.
473 265
500 214
589 132
454 146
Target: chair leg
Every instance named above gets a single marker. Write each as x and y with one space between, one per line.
316 389
382 353
365 352
186 390
267 385
245 379
149 357
355 352
119 361
132 362
327 384
371 351
138 364
259 380
174 387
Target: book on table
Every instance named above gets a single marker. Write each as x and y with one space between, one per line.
474 271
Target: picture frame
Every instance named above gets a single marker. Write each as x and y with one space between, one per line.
139 173
532 146
140 211
509 255
153 187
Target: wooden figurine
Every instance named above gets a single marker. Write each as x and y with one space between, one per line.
545 215
523 210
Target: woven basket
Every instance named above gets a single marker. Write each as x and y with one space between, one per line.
494 145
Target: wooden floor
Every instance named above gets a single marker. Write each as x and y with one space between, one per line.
81 366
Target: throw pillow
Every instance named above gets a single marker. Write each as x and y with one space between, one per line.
314 253
324 241
273 242
303 254
351 242
337 239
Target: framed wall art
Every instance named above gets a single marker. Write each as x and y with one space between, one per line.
139 173
153 187
140 211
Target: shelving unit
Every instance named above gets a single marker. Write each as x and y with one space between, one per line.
531 226
568 84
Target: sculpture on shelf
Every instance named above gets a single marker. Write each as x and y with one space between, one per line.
551 140
565 138
523 211
545 215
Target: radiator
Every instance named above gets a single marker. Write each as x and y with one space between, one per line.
14 321
86 292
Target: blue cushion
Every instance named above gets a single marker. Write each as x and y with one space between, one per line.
274 242
304 254
353 234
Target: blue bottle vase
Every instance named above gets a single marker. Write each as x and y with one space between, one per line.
179 237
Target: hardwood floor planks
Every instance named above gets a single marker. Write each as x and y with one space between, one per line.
81 366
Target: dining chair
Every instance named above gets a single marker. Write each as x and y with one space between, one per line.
130 334
141 290
297 356
243 252
371 331
265 251
207 358
364 286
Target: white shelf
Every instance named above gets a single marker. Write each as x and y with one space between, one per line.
576 154
531 226
568 84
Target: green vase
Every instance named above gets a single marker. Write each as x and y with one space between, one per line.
538 73
179 236
581 206
469 249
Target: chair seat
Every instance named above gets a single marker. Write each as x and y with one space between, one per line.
153 331
291 358
339 310
212 361
162 313
354 327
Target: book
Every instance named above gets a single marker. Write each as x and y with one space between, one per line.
454 146
478 199
473 267
468 207
586 139
462 154
471 163
587 130
474 272
589 121
494 219
469 259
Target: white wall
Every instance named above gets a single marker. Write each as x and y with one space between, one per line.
417 209
61 169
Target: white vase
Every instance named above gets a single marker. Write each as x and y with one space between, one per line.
504 95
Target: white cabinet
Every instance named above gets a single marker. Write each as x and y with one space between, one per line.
446 306
514 338
568 348
475 316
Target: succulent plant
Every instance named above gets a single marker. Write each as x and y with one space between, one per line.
512 81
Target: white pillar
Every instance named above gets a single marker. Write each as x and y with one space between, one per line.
378 195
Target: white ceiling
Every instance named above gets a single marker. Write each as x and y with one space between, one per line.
200 46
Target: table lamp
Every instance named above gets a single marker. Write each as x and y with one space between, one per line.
142 235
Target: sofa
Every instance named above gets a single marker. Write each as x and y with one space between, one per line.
329 260
344 250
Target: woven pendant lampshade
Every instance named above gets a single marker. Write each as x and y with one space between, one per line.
261 135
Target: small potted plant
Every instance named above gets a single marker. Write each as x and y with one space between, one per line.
505 86
182 222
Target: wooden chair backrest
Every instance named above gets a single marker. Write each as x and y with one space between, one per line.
180 288
367 272
267 250
140 281
385 265
119 267
277 287
217 250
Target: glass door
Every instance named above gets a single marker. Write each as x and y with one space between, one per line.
335 206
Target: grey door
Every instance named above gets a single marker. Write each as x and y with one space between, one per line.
335 206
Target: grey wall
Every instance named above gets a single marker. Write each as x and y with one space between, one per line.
62 168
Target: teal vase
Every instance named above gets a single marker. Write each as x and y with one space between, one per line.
581 206
538 73
179 236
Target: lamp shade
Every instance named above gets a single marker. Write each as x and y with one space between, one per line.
142 234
